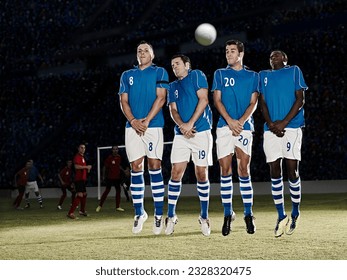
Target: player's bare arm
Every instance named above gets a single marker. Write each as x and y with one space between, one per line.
177 118
266 115
157 105
234 125
280 125
135 123
250 109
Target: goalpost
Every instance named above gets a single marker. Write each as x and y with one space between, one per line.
99 163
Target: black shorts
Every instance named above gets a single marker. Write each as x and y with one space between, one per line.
112 183
80 186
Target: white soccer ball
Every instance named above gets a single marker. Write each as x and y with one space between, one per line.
205 34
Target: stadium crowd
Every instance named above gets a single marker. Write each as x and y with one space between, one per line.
44 117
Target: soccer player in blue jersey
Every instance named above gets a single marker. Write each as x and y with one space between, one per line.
142 94
282 97
235 97
188 103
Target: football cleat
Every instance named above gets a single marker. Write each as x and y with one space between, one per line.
157 225
292 224
205 226
85 214
59 207
170 224
98 209
138 222
71 216
119 209
227 225
280 226
250 226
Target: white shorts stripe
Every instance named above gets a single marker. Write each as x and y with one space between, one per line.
199 148
150 144
288 146
226 142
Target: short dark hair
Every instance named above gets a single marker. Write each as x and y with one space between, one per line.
240 46
145 42
282 52
184 58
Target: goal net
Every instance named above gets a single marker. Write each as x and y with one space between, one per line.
103 152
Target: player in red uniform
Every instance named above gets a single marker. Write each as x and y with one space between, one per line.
65 177
80 180
111 174
20 180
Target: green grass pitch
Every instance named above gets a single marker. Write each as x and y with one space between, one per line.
47 234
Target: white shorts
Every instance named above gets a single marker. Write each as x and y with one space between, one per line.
151 144
31 186
288 146
226 142
199 148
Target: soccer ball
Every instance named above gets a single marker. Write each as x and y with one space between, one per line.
205 34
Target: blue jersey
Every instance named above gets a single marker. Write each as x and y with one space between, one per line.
236 89
278 88
33 174
141 87
184 94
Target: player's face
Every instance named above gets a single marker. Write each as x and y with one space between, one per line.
232 55
179 68
277 60
114 150
81 149
145 54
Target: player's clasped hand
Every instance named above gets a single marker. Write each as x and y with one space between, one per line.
187 130
235 126
277 128
140 125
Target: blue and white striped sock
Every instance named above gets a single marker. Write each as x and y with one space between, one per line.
158 190
137 189
226 193
204 196
295 195
277 195
173 195
246 191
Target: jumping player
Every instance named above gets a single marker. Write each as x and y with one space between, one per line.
235 97
282 99
142 94
188 103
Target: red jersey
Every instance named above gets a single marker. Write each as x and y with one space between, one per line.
112 166
65 174
80 174
23 177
